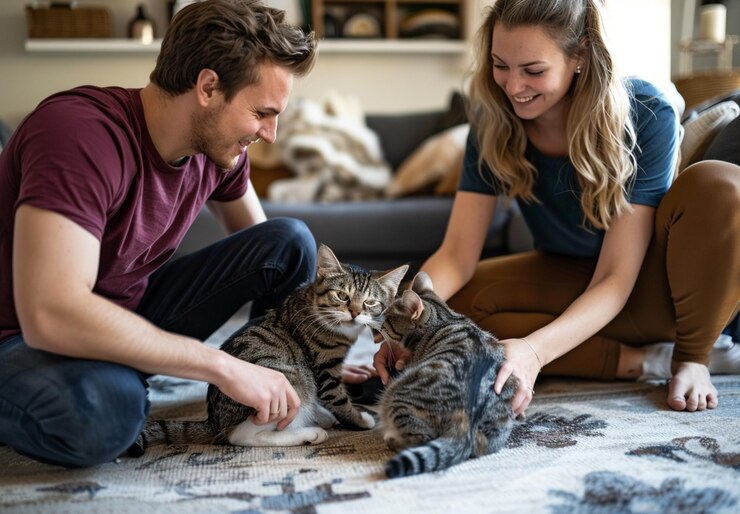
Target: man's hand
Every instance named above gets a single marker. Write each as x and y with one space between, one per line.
265 390
390 355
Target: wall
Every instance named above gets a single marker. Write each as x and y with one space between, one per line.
383 83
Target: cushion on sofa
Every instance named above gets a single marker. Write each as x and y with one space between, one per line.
401 134
726 145
436 159
701 129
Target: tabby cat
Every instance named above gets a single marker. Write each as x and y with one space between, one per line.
441 410
306 339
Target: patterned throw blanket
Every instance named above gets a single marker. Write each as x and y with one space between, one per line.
585 447
334 155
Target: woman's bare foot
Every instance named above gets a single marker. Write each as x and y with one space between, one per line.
691 388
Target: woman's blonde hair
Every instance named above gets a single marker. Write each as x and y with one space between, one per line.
601 137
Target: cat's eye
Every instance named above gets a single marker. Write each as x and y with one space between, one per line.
371 303
341 296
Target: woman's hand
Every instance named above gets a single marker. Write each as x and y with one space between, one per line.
390 355
522 362
357 374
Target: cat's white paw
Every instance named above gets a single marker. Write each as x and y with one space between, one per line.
392 438
318 436
367 421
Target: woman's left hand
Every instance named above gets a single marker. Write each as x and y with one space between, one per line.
521 362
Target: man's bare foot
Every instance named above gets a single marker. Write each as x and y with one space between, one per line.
691 388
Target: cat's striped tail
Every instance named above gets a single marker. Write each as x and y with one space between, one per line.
436 455
171 432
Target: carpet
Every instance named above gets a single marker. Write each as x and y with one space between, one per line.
585 447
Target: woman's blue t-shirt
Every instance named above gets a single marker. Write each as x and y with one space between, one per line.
557 221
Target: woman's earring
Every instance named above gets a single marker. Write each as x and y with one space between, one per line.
578 70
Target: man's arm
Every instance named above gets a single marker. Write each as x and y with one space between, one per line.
55 265
240 213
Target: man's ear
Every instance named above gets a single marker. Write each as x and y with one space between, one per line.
206 86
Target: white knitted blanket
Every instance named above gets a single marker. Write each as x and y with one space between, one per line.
334 155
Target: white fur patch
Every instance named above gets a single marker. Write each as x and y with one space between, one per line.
300 431
368 420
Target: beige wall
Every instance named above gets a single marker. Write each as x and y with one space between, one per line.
383 83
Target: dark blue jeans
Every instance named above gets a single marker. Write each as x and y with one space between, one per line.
76 412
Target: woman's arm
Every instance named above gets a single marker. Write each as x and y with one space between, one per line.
622 253
452 265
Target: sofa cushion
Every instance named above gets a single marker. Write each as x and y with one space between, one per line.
381 234
726 145
701 129
401 134
439 157
733 96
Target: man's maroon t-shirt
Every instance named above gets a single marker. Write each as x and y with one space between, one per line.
87 155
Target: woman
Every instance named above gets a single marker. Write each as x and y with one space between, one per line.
622 262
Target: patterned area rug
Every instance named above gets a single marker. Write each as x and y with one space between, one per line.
585 447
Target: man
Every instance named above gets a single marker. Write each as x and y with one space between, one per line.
99 186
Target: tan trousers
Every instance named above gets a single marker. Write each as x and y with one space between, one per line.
687 291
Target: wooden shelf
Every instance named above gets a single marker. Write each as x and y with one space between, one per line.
327 46
387 46
91 45
389 14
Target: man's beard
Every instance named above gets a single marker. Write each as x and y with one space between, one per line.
207 138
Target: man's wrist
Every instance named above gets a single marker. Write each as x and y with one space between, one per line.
215 366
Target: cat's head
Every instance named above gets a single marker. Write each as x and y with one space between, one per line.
408 311
350 298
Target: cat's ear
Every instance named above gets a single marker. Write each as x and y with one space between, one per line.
393 278
413 303
422 282
328 264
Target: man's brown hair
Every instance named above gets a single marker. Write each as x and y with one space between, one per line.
232 38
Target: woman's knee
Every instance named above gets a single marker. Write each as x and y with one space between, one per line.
715 181
705 195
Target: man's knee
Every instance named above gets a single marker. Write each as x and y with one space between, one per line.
302 243
91 421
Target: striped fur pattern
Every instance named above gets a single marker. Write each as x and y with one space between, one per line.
442 410
306 339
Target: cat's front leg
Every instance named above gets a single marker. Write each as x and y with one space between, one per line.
333 395
324 418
